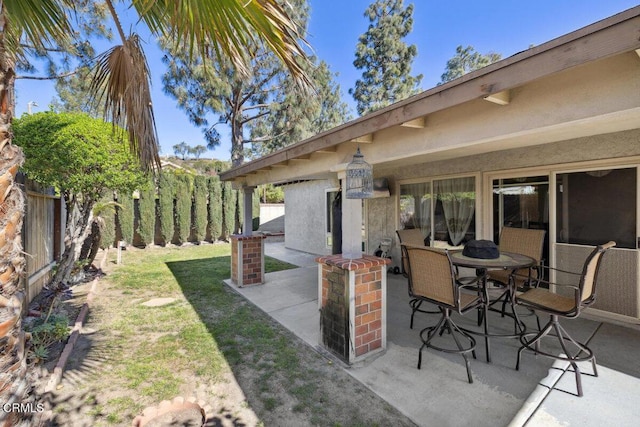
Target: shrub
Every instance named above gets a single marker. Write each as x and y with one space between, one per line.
199 207
183 206
147 212
214 188
46 333
166 193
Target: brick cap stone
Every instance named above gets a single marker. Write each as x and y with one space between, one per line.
367 261
252 237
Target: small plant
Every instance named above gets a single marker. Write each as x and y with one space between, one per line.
52 294
45 333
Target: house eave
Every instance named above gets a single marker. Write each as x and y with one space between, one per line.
612 36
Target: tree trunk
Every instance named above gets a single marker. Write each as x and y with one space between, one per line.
14 386
78 215
91 244
237 144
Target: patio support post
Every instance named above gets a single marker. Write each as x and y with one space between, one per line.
351 228
353 306
247 249
247 228
352 291
351 225
247 259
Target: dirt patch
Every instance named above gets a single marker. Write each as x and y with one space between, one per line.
242 396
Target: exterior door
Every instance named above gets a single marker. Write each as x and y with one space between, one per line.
522 202
580 209
593 207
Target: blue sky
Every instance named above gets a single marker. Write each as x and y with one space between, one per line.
500 26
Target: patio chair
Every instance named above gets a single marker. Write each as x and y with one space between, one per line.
414 237
523 241
557 304
432 278
409 236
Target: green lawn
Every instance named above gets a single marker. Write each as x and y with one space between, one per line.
208 325
150 354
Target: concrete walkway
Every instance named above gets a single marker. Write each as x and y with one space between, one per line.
539 394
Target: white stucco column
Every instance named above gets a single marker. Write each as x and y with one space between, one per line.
351 227
247 229
351 224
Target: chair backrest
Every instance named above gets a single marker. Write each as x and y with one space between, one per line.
523 241
431 274
411 236
590 271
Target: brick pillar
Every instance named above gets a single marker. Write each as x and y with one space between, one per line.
353 305
247 260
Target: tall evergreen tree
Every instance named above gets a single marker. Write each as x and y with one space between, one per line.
263 107
293 115
466 60
384 58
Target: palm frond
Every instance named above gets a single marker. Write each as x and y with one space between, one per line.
121 82
226 26
43 23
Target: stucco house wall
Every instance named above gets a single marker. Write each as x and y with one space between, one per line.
305 222
619 145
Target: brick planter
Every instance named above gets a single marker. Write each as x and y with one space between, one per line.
247 260
353 305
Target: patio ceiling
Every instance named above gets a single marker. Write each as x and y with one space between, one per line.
475 94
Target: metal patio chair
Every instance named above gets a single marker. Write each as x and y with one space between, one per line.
414 237
529 242
557 305
432 278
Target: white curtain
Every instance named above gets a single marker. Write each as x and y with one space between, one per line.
416 206
458 198
425 217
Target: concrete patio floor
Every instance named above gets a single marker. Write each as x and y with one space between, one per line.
541 393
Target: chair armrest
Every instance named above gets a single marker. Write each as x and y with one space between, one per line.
471 284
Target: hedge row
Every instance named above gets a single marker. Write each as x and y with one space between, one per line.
176 208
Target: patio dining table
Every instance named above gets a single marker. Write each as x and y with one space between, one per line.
506 261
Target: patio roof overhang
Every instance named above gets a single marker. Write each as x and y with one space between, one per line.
473 95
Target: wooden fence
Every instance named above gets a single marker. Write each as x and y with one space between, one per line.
41 234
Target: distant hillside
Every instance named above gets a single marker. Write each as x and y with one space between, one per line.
202 166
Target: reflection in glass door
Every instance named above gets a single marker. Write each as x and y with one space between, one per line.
521 203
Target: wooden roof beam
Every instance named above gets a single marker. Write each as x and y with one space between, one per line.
419 123
500 98
364 139
328 150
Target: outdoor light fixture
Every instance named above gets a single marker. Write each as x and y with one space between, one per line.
359 178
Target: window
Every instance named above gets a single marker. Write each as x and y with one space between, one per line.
445 206
330 196
597 206
415 206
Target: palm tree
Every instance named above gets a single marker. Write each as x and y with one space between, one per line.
121 83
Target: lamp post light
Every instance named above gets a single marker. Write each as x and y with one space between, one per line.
31 104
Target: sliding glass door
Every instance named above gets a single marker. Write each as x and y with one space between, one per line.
594 207
579 209
521 202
